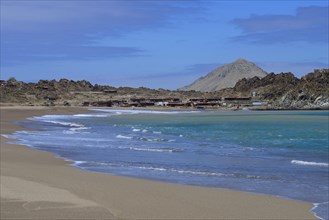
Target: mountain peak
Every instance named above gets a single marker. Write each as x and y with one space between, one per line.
226 76
241 60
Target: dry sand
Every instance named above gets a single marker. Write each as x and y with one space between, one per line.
36 185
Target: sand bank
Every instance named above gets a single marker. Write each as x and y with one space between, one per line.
35 184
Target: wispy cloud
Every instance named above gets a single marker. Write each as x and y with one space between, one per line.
15 55
113 16
309 24
52 30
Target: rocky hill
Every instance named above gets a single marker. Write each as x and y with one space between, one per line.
285 91
64 91
280 91
226 76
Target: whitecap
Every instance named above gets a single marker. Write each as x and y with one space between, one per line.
64 123
300 162
201 173
123 137
91 115
79 162
161 150
49 117
76 130
173 170
79 128
154 139
119 112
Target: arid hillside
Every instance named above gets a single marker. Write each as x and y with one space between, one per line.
226 76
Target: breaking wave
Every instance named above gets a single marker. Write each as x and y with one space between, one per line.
166 150
70 124
154 139
91 115
74 128
116 111
123 136
172 170
148 139
300 162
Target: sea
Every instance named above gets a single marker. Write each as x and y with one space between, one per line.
279 153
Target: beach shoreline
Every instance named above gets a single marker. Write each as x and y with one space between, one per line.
36 184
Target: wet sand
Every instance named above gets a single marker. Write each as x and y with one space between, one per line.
37 185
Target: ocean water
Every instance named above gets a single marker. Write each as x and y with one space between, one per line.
282 153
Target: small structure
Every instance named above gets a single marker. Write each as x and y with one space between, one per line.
86 104
161 103
197 100
237 98
66 103
102 104
178 104
218 100
111 91
259 103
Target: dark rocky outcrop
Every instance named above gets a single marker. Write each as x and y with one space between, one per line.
288 92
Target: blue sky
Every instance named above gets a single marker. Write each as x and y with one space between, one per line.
158 44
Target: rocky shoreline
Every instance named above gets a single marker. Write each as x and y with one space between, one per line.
273 92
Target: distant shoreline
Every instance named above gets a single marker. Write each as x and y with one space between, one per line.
14 105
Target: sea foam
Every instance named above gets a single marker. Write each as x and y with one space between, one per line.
171 170
160 150
91 115
154 139
64 123
123 136
119 112
300 162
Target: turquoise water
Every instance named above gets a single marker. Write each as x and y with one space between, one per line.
278 153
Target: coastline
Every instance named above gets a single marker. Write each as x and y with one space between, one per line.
36 184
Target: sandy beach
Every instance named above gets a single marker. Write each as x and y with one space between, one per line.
37 185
